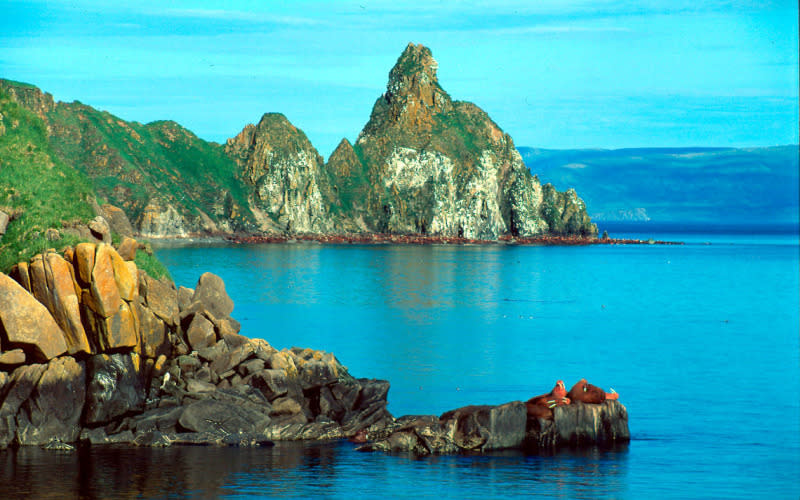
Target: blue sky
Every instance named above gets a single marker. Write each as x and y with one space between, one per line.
552 73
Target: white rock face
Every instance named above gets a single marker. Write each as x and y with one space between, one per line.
289 192
162 220
473 210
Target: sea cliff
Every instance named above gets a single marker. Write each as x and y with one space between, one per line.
424 164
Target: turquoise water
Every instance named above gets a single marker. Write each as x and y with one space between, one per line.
700 340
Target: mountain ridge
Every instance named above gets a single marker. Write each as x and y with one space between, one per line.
423 164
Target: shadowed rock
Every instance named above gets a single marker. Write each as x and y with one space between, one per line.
26 323
114 388
222 417
53 410
210 291
486 428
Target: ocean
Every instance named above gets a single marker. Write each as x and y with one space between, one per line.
700 341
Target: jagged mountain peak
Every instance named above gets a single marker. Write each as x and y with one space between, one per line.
413 95
413 73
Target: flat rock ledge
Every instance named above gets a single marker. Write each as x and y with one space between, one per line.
480 429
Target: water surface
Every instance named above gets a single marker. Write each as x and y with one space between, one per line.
700 340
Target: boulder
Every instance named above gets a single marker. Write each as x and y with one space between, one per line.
194 386
115 332
228 326
250 367
98 436
26 323
84 262
14 393
231 359
126 275
114 388
582 424
100 229
53 410
20 274
153 439
285 406
127 248
210 291
117 220
14 357
184 297
471 428
104 292
157 419
316 373
152 332
52 285
292 431
272 383
222 418
200 333
161 297
3 222
487 428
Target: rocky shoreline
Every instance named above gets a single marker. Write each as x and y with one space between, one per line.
93 350
415 239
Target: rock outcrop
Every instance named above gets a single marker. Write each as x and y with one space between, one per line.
286 174
426 164
507 426
94 349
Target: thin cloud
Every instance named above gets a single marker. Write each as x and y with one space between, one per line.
239 15
532 30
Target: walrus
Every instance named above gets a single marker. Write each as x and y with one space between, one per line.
542 406
588 393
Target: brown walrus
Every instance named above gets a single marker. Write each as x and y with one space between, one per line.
542 406
588 393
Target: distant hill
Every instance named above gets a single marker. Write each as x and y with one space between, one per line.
168 181
721 185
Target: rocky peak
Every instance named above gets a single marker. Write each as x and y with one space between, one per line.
286 171
413 95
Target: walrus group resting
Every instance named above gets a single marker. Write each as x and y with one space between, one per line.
542 406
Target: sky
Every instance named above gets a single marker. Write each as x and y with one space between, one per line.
553 74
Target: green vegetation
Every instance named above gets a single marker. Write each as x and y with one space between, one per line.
146 261
42 194
132 163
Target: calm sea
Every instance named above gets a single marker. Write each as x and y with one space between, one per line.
700 340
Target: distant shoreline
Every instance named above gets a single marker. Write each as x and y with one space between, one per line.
378 239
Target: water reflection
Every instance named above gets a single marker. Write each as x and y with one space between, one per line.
302 470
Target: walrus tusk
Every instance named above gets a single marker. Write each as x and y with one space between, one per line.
612 390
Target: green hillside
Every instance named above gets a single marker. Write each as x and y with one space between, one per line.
37 189
131 165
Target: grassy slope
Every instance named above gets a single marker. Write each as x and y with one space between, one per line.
679 184
41 191
130 163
